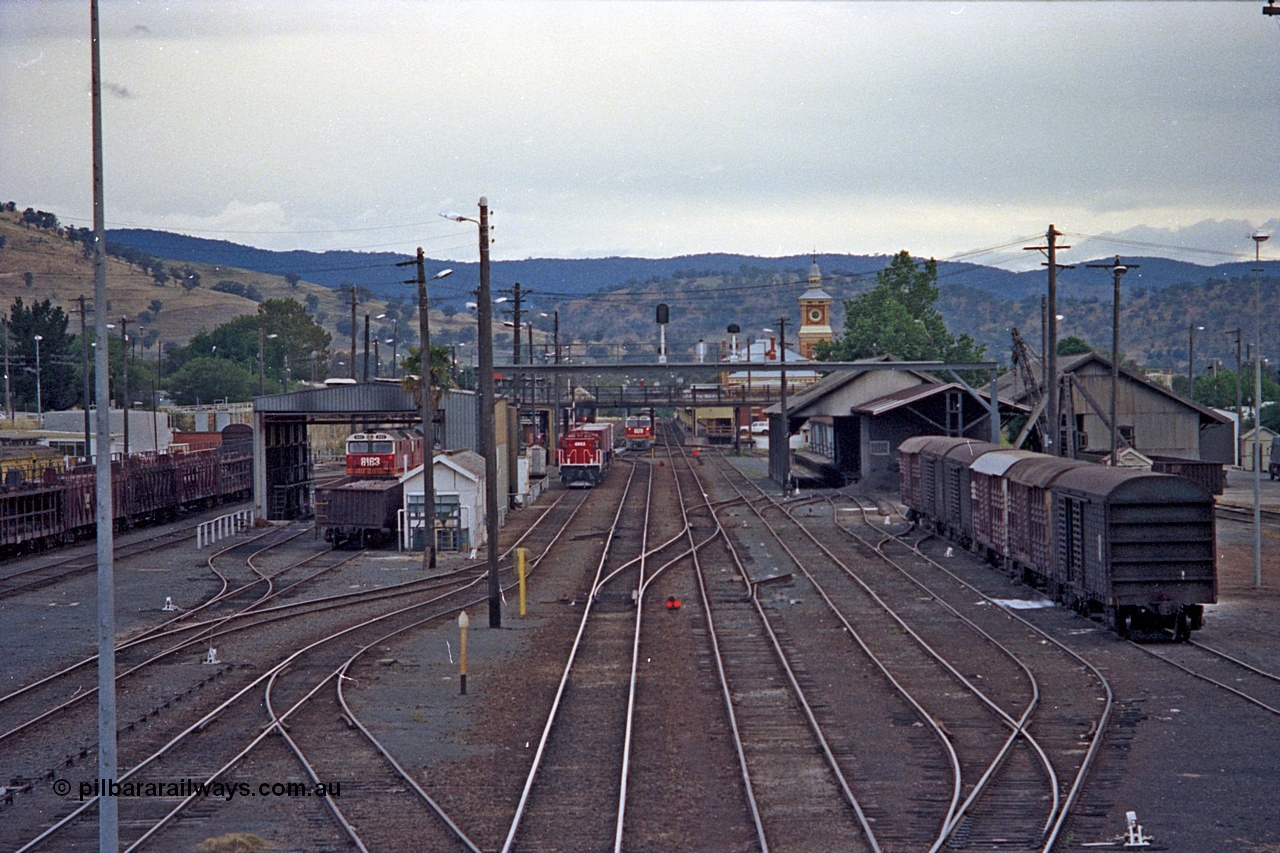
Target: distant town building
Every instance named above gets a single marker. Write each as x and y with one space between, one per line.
815 313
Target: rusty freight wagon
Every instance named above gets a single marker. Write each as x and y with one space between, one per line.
358 511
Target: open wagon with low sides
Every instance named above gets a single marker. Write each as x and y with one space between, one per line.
358 511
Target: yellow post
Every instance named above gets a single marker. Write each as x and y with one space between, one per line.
521 556
463 624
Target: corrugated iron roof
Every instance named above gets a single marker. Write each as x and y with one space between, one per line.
366 398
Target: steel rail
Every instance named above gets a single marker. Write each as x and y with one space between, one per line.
1018 727
564 679
925 716
156 632
633 677
798 690
1109 702
200 638
278 720
1213 681
207 718
717 655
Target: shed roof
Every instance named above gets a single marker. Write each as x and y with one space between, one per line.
468 463
363 398
1012 386
909 396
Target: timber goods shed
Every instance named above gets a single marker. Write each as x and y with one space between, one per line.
857 419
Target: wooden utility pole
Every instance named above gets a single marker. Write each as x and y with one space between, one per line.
1054 432
428 405
1117 271
364 373
8 395
786 427
84 340
488 433
353 331
124 373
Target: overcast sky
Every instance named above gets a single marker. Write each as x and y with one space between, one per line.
652 129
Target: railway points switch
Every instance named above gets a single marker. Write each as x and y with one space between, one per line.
1134 836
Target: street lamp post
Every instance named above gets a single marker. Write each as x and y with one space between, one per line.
484 330
395 340
1259 237
263 337
39 403
1117 271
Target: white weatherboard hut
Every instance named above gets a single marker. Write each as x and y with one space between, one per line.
459 485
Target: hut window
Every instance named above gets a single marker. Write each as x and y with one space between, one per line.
879 448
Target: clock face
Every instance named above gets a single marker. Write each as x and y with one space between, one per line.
815 315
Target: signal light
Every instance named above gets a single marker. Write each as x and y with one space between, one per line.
673 603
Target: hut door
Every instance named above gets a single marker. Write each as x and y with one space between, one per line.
449 523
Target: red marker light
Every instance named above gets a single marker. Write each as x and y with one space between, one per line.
673 603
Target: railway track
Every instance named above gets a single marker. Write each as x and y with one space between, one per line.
35 573
1257 686
1229 512
336 624
571 794
1069 724
1004 786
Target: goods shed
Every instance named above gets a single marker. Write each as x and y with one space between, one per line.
858 418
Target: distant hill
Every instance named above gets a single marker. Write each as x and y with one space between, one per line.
612 299
38 263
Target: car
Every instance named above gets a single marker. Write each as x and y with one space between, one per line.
760 427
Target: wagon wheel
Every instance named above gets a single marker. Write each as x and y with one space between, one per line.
1181 628
1124 622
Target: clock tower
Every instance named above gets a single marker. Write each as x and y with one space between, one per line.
815 313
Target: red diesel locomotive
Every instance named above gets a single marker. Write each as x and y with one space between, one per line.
584 454
384 453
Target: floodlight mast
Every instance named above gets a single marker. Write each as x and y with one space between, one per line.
1258 237
108 814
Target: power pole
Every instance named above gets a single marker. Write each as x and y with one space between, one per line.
124 359
428 413
1117 271
1054 432
786 427
353 331
84 339
364 373
488 435
1239 411
517 295
8 397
